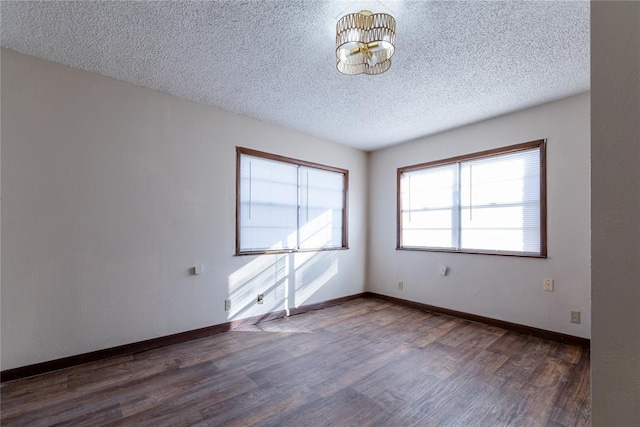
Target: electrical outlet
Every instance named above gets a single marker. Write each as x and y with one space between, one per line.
400 286
575 317
227 305
260 299
547 285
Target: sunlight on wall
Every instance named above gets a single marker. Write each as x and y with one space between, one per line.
286 280
267 274
312 271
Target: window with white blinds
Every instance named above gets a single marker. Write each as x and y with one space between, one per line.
490 202
286 205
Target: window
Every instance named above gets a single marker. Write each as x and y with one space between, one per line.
491 202
287 205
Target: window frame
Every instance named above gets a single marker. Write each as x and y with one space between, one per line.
240 151
541 144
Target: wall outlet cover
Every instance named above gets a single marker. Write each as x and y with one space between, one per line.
575 317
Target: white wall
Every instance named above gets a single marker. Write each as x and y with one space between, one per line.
499 287
615 210
111 192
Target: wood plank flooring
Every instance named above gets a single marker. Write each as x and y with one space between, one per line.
366 362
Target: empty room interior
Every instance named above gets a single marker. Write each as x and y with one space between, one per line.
320 213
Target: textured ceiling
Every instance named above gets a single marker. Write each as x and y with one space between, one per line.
456 62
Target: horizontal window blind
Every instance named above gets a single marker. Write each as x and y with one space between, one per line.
284 206
500 203
429 207
268 204
321 205
484 203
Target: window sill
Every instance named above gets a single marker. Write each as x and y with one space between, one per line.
476 252
289 251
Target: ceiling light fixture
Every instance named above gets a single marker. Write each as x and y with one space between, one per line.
365 42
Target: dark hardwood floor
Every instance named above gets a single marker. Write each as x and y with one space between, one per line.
364 362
